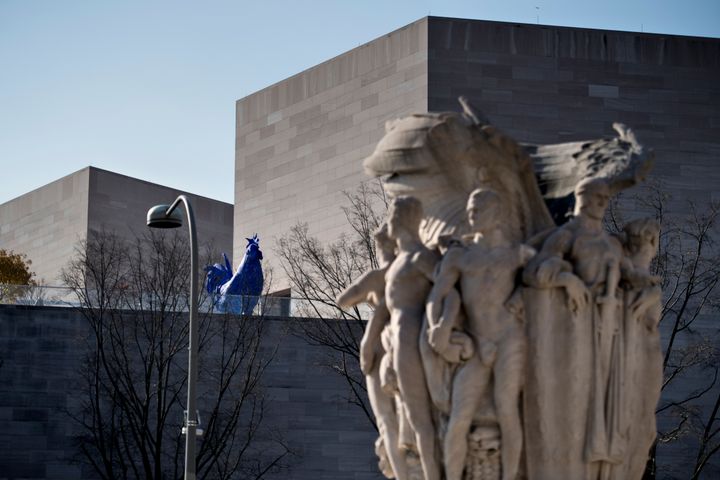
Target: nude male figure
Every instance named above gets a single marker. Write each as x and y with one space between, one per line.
370 287
486 269
408 282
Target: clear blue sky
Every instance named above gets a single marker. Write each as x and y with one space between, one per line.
148 88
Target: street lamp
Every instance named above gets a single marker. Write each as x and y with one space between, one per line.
164 216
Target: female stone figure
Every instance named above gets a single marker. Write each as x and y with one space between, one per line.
485 269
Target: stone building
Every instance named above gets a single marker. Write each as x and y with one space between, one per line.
47 223
300 143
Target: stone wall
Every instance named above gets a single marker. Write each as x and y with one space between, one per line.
41 350
120 203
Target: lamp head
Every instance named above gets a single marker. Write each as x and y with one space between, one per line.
156 217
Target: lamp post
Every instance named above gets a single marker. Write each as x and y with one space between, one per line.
164 216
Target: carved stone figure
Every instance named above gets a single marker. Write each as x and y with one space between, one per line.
439 158
643 354
519 338
408 283
588 328
485 269
370 287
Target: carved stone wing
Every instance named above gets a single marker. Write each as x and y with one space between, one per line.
620 160
440 158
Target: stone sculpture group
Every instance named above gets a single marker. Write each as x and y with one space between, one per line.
502 345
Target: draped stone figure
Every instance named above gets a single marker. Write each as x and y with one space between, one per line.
518 337
575 348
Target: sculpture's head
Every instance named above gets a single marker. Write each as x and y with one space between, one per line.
642 239
404 216
385 246
592 198
252 250
485 210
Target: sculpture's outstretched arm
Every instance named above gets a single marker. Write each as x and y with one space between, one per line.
369 287
637 277
366 288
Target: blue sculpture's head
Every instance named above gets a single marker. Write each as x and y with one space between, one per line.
252 250
218 274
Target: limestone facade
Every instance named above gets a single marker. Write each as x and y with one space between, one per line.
300 142
47 223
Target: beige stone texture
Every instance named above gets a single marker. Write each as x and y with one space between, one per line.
49 222
300 142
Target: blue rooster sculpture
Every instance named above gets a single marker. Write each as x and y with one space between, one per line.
238 293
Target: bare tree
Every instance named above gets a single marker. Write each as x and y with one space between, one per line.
690 266
318 273
134 298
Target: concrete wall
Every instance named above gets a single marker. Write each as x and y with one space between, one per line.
332 439
41 350
300 142
47 223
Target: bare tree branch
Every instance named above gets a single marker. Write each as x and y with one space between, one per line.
134 298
